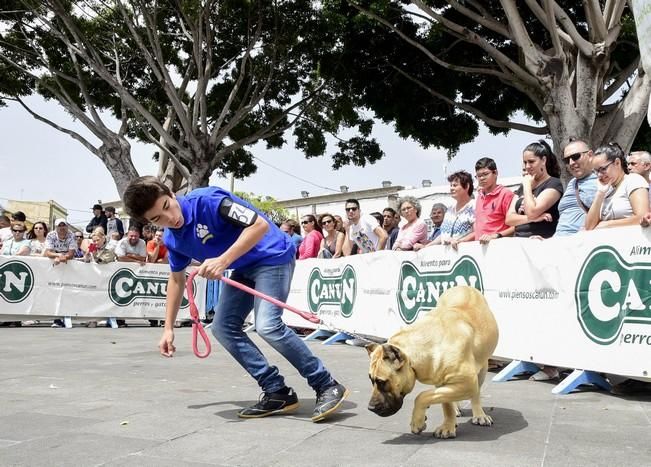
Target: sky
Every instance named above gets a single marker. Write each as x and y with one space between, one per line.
39 163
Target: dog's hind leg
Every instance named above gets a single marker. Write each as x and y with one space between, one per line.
479 417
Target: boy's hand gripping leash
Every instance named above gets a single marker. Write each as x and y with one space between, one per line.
197 327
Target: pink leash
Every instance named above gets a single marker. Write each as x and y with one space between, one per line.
194 313
197 327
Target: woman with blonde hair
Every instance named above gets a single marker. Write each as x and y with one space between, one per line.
97 248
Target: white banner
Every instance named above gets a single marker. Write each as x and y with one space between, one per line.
578 302
33 286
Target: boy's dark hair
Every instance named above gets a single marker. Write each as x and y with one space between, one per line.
485 163
352 201
464 179
141 194
19 216
391 210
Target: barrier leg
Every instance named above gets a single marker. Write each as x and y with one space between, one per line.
579 377
67 322
317 333
340 336
112 322
249 328
516 367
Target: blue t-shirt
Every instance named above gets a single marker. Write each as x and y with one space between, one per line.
571 215
208 234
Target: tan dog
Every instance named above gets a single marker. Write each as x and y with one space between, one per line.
449 348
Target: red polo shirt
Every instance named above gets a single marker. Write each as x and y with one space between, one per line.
490 211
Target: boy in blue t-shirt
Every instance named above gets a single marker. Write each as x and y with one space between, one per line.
223 232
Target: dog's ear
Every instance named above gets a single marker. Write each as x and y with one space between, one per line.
394 355
371 347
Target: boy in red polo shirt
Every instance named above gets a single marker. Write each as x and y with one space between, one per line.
156 249
493 203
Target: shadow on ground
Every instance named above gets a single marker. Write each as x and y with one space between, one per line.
506 421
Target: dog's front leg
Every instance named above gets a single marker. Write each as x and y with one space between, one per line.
440 395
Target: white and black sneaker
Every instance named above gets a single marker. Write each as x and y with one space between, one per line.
328 401
270 404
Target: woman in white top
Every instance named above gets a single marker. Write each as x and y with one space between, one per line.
459 221
18 245
622 198
37 238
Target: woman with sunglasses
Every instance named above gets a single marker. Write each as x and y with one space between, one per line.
534 212
18 245
36 237
312 239
333 240
622 198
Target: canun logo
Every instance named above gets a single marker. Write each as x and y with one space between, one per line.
334 291
611 292
16 281
420 291
125 286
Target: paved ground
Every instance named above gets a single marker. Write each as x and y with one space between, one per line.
85 397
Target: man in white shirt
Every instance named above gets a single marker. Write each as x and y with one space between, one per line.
362 230
639 162
132 248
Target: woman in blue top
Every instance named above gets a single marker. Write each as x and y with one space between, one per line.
223 232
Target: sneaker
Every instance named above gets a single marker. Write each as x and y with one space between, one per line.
270 404
58 324
328 401
631 387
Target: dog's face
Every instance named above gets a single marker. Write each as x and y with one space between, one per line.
391 376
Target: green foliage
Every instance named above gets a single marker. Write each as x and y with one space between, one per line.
268 205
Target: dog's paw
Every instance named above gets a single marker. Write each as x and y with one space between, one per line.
446 431
418 425
483 420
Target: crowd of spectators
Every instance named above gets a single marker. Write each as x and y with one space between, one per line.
106 243
608 188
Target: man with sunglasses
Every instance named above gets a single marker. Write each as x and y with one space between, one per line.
362 230
572 208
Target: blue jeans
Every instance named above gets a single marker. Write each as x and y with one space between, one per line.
234 305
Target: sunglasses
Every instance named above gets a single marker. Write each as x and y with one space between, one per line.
329 221
78 237
305 222
17 230
351 209
575 157
602 170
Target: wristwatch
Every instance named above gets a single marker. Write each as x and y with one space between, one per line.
499 235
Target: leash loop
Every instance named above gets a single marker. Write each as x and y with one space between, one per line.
197 327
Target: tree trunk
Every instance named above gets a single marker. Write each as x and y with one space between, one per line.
115 153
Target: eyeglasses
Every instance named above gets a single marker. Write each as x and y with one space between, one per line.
479 176
575 157
351 209
406 208
602 170
329 221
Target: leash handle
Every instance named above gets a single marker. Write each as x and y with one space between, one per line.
197 327
303 314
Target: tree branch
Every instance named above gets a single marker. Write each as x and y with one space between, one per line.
596 23
473 110
553 30
71 133
584 46
621 78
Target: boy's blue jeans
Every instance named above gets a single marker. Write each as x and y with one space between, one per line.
233 307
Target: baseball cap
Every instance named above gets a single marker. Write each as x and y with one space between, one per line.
60 220
97 206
